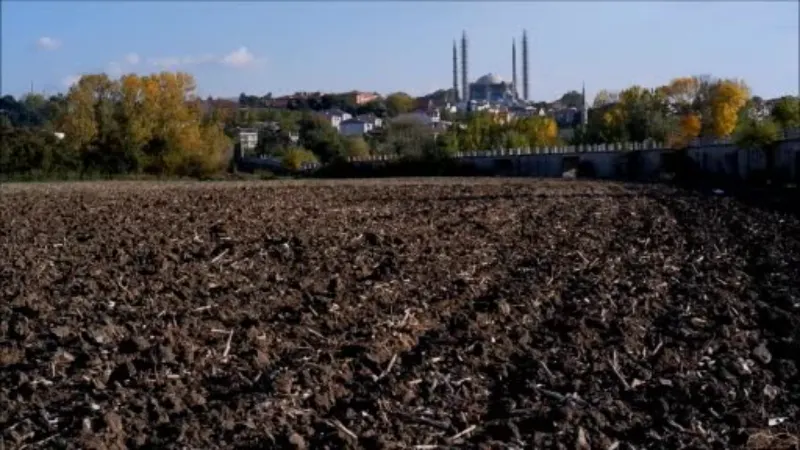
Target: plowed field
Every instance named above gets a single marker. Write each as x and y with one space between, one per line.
414 314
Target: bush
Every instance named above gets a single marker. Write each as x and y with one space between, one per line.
757 135
356 147
760 135
295 158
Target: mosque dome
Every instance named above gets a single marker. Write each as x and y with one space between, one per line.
489 79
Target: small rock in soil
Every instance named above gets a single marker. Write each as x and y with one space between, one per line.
762 354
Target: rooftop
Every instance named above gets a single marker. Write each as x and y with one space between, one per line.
489 78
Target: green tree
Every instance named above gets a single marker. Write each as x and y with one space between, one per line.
572 99
757 134
272 142
356 147
408 139
319 136
605 98
295 158
447 142
760 135
376 107
786 112
514 139
399 103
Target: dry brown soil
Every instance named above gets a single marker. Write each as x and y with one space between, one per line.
413 314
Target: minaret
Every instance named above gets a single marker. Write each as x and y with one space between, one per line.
514 67
455 73
525 65
584 109
464 79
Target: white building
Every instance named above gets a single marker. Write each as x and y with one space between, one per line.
376 121
355 127
336 117
248 138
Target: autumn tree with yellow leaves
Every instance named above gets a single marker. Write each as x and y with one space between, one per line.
538 131
677 113
682 93
728 97
705 106
689 127
150 124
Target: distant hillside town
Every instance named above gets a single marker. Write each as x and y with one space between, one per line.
157 124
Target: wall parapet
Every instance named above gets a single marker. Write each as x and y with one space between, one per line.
619 147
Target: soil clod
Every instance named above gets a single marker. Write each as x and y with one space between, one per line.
396 314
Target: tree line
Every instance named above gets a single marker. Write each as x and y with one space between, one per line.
156 124
306 137
391 106
683 110
134 125
677 113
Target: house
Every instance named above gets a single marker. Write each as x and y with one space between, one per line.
435 115
362 98
336 117
525 111
248 139
427 118
376 121
286 100
355 127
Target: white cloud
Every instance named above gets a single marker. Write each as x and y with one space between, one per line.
70 80
132 59
239 58
165 63
172 62
48 43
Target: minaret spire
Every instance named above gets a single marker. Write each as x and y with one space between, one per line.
464 61
514 67
584 109
455 73
525 65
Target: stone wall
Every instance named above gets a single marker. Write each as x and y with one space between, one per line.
625 160
729 160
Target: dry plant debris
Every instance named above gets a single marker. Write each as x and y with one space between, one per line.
395 314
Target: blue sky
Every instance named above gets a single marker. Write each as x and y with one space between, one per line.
258 47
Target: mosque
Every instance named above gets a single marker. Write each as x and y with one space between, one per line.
491 88
491 92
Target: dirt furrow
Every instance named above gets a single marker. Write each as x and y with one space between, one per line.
467 313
